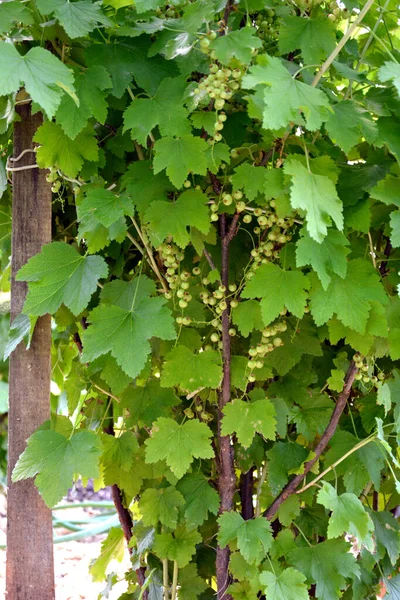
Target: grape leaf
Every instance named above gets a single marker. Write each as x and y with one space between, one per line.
317 196
90 88
236 44
54 460
314 36
387 190
60 275
348 515
328 564
44 76
112 548
146 404
250 179
165 109
288 291
191 586
189 370
284 458
123 323
254 537
57 149
387 532
105 206
247 418
349 123
11 12
349 298
175 218
179 546
395 227
144 186
285 99
161 506
326 258
118 455
80 18
289 585
200 498
178 444
180 156
312 415
390 71
247 317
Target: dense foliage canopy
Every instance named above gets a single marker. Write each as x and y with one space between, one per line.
223 281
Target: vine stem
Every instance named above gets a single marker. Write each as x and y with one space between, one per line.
174 581
292 486
165 578
150 255
343 41
335 464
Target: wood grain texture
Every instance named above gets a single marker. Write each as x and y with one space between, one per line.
29 570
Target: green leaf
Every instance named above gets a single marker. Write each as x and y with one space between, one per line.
90 90
179 546
44 76
250 179
191 586
395 227
190 371
284 458
104 206
350 298
80 18
387 190
317 196
277 289
12 12
161 506
348 515
328 564
387 532
165 109
21 326
390 71
285 99
176 218
123 323
118 455
392 588
112 548
254 537
58 150
60 275
313 414
247 317
146 404
326 258
236 44
144 186
314 36
289 585
349 123
55 460
178 444
180 156
247 418
200 498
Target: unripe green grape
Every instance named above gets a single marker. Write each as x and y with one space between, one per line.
238 195
241 206
359 364
214 207
170 271
217 294
212 301
219 126
185 275
186 320
272 203
205 281
179 256
234 153
236 73
214 337
179 320
251 378
247 218
365 379
251 364
219 103
180 293
234 303
218 83
168 295
358 376
381 376
185 285
272 236
222 118
189 413
212 35
196 271
182 303
223 305
214 68
188 297
232 287
56 186
282 239
263 221
259 364
277 342
187 183
232 332
254 252
257 212
220 74
257 230
217 137
214 217
276 254
374 379
252 352
207 347
364 368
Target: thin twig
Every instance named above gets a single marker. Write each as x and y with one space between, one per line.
209 259
292 486
150 255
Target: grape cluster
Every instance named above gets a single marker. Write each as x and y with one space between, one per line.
365 373
265 25
270 340
54 178
337 13
219 86
169 12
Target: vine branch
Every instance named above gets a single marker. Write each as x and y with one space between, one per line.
292 486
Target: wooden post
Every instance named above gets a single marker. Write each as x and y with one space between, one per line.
30 568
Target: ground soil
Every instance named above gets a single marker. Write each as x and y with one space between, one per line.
72 559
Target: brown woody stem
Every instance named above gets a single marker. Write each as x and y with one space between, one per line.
292 486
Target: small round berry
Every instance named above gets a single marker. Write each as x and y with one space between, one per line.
187 183
214 217
232 332
214 337
183 303
247 219
277 342
196 271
